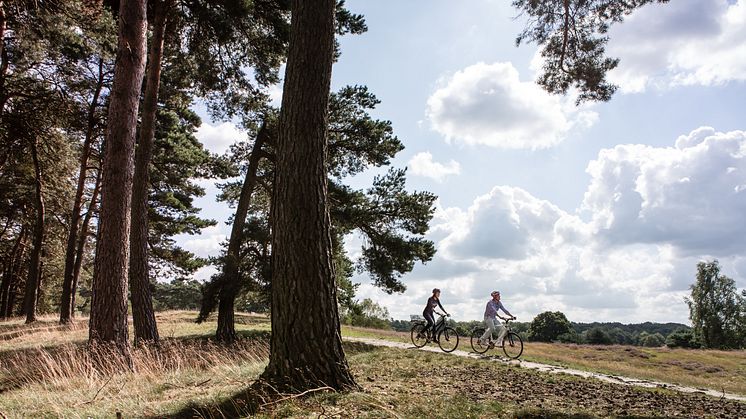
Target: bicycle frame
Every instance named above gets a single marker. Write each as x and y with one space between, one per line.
513 349
440 324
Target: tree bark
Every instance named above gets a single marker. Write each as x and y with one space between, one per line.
226 331
306 344
108 321
9 275
82 240
68 291
17 272
3 67
143 316
34 273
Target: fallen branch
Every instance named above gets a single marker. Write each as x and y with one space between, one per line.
97 393
203 382
295 396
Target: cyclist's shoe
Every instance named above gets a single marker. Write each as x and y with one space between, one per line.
491 345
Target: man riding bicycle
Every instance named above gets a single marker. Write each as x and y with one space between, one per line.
490 319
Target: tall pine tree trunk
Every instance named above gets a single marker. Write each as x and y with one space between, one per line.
4 61
108 322
68 291
17 272
83 240
226 331
10 274
143 316
306 344
33 282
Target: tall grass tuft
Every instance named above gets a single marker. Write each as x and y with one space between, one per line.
99 362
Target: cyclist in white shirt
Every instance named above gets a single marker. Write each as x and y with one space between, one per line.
490 319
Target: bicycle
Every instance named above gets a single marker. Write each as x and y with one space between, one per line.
446 336
512 343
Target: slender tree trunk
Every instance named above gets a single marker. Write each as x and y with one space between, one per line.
108 322
3 26
9 274
82 240
16 274
306 344
3 67
143 316
226 331
66 307
34 273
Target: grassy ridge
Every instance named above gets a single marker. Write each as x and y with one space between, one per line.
46 371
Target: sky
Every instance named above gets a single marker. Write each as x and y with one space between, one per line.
600 211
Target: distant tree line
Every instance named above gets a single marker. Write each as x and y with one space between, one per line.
642 334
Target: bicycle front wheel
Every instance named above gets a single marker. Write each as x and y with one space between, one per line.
476 334
419 338
448 339
513 345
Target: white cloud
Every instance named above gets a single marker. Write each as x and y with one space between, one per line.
689 195
683 42
208 242
218 138
487 104
422 164
653 214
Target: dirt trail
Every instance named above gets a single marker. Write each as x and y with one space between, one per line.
616 379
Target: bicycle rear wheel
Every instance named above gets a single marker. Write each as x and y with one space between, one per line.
513 345
475 344
448 339
419 338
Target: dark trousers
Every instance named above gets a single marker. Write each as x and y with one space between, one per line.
430 322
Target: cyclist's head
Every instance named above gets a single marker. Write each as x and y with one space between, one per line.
436 290
494 293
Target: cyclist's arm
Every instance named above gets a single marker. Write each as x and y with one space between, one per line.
505 310
441 306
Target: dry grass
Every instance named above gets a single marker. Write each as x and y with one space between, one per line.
717 370
49 371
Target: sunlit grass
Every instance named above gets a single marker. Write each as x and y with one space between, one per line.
717 370
48 371
711 369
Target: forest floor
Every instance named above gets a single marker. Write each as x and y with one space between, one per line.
46 371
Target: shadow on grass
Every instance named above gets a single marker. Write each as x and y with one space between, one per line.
10 332
257 397
538 413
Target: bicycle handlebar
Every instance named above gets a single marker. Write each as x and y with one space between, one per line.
509 319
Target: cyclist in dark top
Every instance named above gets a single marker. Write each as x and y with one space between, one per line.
432 302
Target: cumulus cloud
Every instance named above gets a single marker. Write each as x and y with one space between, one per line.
488 104
680 43
207 243
629 254
218 138
692 195
422 164
507 223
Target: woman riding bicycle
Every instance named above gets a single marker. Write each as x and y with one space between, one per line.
432 302
490 319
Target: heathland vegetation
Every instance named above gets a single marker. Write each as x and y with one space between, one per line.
100 170
47 370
